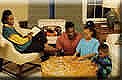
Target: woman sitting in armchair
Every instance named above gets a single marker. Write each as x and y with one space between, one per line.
23 44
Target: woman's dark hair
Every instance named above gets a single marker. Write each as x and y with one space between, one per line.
69 24
5 15
92 30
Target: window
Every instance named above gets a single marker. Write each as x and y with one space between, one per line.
93 10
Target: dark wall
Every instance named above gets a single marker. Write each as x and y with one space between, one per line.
69 12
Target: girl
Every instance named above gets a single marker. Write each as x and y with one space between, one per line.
88 46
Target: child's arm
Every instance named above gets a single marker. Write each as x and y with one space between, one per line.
95 48
77 50
74 56
76 53
86 56
95 59
93 64
89 55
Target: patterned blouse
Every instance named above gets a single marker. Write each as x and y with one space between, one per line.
104 65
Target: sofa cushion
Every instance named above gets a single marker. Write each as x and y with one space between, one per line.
8 52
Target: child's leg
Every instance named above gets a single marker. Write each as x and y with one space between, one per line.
102 77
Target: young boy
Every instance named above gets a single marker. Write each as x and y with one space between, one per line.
103 62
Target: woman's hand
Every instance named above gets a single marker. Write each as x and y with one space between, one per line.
29 35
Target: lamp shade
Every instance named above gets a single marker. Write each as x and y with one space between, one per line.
111 3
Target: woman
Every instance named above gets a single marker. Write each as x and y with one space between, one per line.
22 44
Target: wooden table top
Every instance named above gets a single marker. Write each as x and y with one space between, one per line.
66 67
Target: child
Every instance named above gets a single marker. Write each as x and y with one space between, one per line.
88 45
103 62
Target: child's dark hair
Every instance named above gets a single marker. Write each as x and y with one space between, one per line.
104 48
69 24
92 30
90 24
5 15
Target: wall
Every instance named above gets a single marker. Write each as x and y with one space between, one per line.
28 10
36 12
69 12
19 10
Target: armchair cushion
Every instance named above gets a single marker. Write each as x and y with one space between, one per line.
8 52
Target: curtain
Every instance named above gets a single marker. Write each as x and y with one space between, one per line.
111 3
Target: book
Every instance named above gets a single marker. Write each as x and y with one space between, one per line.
35 30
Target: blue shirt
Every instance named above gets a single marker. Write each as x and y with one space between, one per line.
87 47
